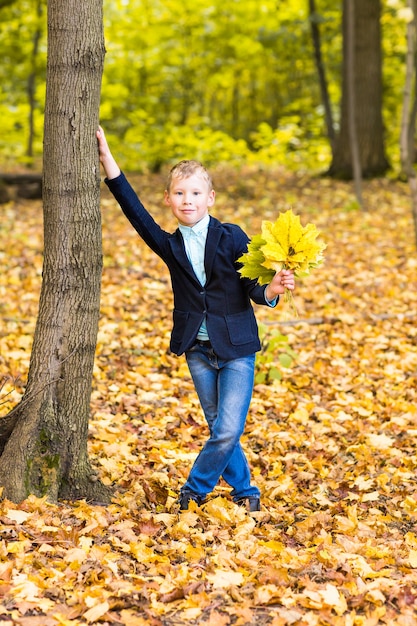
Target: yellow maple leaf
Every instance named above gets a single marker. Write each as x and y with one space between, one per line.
381 442
18 516
217 619
25 589
222 579
412 557
97 611
267 594
327 597
75 556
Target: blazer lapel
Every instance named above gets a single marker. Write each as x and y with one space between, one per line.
178 250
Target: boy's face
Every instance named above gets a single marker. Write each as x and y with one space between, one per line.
189 199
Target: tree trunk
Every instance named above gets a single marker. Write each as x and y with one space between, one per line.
31 84
409 113
46 452
315 34
353 131
368 89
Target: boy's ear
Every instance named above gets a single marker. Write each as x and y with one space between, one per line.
166 198
211 198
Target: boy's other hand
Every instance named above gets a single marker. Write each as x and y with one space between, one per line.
282 280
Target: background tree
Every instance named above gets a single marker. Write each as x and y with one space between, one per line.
408 124
22 75
219 79
352 99
44 440
367 74
321 71
33 75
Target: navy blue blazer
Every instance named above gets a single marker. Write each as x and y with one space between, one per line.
225 299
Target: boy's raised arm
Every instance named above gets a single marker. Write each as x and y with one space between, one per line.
111 169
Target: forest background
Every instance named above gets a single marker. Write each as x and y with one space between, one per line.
330 437
228 81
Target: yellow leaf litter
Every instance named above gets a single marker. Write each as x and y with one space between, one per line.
332 445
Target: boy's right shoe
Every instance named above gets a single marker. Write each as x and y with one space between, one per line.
186 497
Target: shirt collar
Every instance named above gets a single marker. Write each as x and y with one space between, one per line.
198 229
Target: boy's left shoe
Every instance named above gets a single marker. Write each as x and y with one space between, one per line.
252 503
186 496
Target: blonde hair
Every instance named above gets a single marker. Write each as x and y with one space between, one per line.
185 169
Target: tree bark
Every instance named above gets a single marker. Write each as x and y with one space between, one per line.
31 83
368 89
352 95
409 112
46 452
315 34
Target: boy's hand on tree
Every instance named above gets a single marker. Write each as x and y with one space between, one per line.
107 160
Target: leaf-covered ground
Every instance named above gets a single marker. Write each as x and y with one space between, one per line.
332 444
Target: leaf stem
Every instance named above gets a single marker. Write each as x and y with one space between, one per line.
289 300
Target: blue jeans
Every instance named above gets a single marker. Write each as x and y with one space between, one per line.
224 389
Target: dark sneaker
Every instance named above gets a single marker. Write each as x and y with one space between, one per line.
251 503
185 498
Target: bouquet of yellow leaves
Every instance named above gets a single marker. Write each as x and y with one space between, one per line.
282 245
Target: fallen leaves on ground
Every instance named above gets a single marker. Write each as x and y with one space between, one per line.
332 444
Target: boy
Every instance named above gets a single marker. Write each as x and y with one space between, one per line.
213 319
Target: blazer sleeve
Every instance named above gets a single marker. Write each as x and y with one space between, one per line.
144 224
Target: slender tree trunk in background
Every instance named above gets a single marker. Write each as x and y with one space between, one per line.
368 90
352 98
234 127
44 440
315 33
409 113
31 85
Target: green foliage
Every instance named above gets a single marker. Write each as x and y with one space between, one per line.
276 354
394 49
19 25
253 262
157 145
216 80
299 146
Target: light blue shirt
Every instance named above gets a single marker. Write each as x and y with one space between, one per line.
195 245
